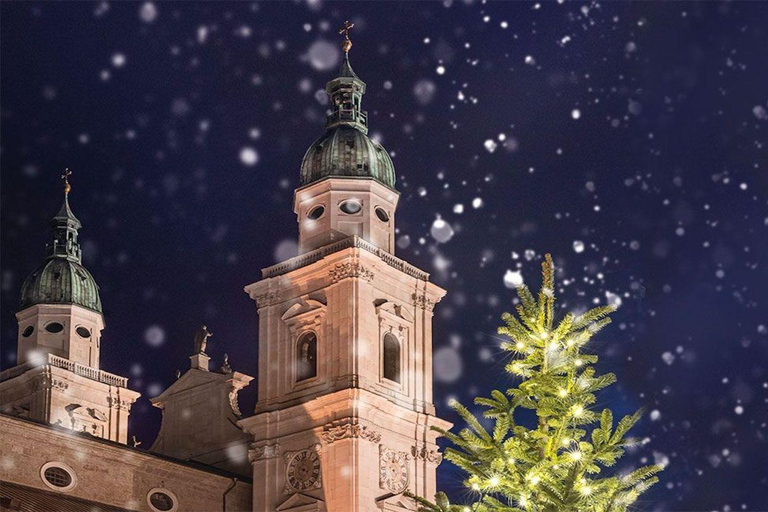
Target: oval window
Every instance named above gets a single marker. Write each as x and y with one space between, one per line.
161 500
382 214
54 327
350 207
28 331
316 212
58 476
83 332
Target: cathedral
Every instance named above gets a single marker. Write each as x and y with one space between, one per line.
345 407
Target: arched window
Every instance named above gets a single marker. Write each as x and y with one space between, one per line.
391 357
306 356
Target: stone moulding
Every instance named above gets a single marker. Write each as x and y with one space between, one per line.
349 430
353 241
267 451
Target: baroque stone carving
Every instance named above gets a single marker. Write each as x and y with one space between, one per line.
233 403
423 302
424 453
393 470
349 269
349 430
267 451
302 472
267 299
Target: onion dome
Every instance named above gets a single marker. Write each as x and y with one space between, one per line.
62 279
345 150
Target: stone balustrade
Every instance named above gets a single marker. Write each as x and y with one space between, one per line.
76 368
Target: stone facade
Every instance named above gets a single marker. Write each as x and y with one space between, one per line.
371 434
345 407
113 474
200 413
61 392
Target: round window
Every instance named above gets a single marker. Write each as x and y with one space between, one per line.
58 476
54 327
382 214
316 212
83 332
162 500
28 331
350 207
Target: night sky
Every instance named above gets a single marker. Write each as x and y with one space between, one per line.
627 139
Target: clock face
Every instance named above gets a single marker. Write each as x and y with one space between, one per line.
304 470
393 471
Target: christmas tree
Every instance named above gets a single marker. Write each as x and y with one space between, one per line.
556 464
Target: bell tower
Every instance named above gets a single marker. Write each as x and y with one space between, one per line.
57 379
345 404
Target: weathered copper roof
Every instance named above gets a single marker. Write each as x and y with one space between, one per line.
344 150
61 281
347 152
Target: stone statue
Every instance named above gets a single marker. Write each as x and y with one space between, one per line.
201 339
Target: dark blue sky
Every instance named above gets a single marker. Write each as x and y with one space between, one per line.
627 139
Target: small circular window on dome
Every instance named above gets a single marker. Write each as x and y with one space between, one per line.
83 332
350 207
316 212
54 327
58 476
162 500
28 331
382 214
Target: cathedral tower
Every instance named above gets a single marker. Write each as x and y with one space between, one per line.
57 379
345 405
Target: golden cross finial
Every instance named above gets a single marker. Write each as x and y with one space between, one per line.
65 177
346 44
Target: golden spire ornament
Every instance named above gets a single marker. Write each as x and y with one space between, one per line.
346 44
65 177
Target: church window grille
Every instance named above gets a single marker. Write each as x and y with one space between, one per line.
162 500
58 476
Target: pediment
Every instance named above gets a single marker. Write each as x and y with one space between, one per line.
396 503
301 503
394 310
301 308
191 379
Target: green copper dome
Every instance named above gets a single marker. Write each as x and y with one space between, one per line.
62 279
345 150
